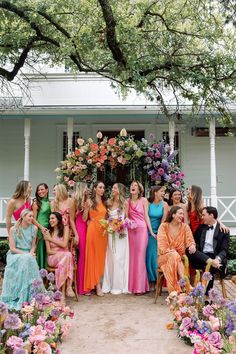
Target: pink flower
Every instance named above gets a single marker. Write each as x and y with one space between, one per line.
161 171
214 323
37 334
199 347
181 299
178 316
208 311
50 327
15 342
41 320
215 340
71 183
65 328
44 348
186 323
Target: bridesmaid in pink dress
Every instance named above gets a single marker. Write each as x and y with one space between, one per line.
138 239
62 203
18 202
79 227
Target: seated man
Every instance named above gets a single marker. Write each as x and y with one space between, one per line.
212 245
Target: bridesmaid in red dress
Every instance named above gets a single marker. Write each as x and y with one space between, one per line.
18 202
195 205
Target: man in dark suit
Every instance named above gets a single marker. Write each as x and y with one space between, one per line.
212 245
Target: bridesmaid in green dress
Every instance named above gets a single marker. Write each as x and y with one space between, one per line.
41 209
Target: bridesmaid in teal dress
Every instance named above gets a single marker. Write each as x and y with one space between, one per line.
21 269
157 212
41 209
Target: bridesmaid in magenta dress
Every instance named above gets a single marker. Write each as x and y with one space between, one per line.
79 227
138 239
18 202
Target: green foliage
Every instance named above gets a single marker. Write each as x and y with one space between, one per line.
232 266
182 45
232 248
4 247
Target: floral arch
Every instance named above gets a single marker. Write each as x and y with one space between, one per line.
150 162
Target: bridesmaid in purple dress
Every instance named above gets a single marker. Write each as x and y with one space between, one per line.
79 227
138 239
18 202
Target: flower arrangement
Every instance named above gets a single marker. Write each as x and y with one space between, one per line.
122 150
161 168
39 326
209 327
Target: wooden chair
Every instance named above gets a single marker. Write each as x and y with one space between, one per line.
74 283
161 278
199 273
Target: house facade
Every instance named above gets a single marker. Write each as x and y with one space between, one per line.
58 108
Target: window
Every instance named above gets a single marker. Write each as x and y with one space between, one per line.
65 143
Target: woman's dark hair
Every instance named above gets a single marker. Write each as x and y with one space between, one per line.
93 196
172 191
59 225
153 190
172 212
37 199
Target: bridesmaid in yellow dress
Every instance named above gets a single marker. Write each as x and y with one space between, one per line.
96 242
174 237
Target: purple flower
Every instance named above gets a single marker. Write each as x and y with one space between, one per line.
186 323
182 283
50 327
57 295
3 309
165 165
12 322
214 295
229 325
207 276
43 273
189 300
198 291
232 307
55 313
40 298
172 156
51 277
208 311
37 283
19 351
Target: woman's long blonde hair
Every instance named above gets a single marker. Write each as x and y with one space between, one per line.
121 197
80 196
18 225
197 201
21 190
61 194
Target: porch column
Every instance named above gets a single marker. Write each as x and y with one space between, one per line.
27 148
172 134
70 123
212 134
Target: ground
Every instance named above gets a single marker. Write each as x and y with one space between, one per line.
122 324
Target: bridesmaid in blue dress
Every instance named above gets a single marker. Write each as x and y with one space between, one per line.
157 212
22 268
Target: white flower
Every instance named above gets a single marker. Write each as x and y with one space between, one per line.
80 141
123 132
99 135
121 143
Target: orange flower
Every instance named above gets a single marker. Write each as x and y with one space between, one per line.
77 152
169 325
94 146
112 141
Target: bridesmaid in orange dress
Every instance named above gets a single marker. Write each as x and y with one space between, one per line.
174 237
96 242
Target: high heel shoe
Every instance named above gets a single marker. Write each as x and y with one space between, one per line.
100 293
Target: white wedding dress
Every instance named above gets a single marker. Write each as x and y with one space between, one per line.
116 271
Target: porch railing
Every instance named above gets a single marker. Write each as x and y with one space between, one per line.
226 208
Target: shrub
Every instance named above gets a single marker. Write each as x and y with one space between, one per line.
4 247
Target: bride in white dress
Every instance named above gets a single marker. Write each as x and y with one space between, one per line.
117 257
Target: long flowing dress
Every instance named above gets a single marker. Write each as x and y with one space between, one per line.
17 212
167 258
62 261
81 227
155 213
43 219
20 271
96 245
116 274
138 240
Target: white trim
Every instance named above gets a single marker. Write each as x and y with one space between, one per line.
27 148
212 134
